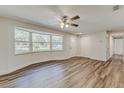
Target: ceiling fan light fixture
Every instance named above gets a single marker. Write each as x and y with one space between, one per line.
62 25
79 33
67 22
66 25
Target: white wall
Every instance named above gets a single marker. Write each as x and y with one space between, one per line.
3 48
111 46
10 62
107 46
123 48
94 46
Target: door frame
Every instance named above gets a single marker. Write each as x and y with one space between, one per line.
117 37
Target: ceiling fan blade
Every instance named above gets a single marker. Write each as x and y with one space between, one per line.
75 17
76 25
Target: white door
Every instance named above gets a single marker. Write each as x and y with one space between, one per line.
118 46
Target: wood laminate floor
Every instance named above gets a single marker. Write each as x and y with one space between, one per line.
74 72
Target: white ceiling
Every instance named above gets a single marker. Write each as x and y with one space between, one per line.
92 17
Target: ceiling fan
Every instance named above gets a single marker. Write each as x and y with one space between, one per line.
65 21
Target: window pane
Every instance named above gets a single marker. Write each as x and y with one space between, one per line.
21 47
40 38
57 45
43 46
57 38
21 35
57 42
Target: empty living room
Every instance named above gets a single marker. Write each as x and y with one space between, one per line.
61 46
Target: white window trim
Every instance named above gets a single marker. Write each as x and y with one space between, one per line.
30 41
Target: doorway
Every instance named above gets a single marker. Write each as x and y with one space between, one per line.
118 45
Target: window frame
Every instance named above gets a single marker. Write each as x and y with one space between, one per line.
61 42
40 42
31 42
21 41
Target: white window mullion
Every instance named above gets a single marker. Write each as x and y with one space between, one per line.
30 40
50 42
